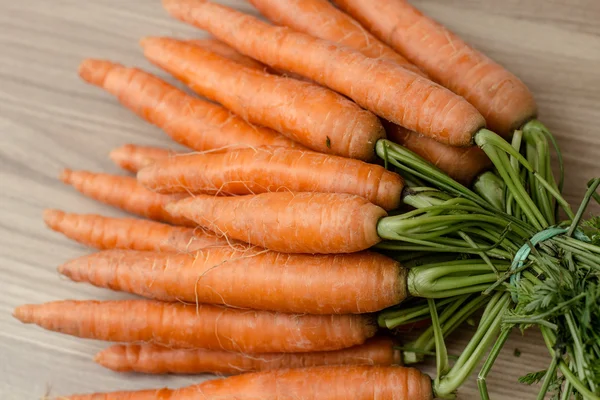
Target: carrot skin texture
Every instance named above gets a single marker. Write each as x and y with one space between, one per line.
272 169
220 48
129 233
250 278
152 359
195 123
463 164
314 383
321 19
126 193
199 326
132 157
309 114
501 97
381 86
323 223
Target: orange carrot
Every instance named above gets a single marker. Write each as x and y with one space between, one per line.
152 359
132 157
321 19
199 326
308 113
500 96
340 382
190 121
129 233
288 222
220 48
463 164
125 193
250 278
271 169
381 86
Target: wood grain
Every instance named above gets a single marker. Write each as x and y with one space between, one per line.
49 120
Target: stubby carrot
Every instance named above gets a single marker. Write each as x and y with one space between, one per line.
271 169
501 97
195 123
199 326
463 164
321 19
125 193
152 359
310 114
220 48
381 86
314 383
130 233
250 278
132 157
288 222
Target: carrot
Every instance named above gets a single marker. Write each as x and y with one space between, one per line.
250 278
463 164
341 382
269 169
190 121
199 326
125 193
288 222
321 19
220 48
310 114
503 99
129 233
383 87
132 157
152 359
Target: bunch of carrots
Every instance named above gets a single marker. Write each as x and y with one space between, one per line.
343 176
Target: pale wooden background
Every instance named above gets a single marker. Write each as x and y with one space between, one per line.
49 119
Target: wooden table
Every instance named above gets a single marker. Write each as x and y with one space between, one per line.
49 120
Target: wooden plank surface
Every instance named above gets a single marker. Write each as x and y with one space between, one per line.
49 120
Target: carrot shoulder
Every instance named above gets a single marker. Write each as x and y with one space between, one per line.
271 169
129 233
133 157
288 222
250 278
321 19
198 326
152 359
358 382
311 115
381 86
125 193
501 97
194 123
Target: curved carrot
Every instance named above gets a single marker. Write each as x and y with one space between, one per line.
190 121
216 46
151 359
129 233
132 157
340 382
501 97
250 278
463 164
385 88
125 193
288 222
321 19
199 326
310 114
270 169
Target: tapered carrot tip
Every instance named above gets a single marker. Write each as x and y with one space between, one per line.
25 313
52 218
111 358
66 176
95 71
